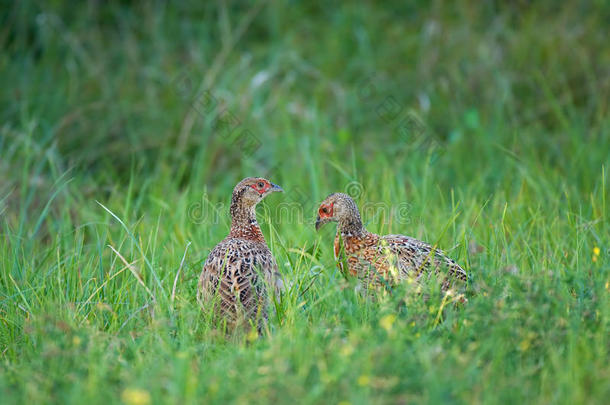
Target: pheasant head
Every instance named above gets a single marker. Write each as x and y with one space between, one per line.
340 208
246 195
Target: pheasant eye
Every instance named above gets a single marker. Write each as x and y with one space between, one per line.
261 184
325 210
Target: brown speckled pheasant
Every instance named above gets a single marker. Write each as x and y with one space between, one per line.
239 270
375 259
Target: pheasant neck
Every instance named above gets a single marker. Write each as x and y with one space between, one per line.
351 227
244 224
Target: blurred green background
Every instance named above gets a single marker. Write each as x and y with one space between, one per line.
128 124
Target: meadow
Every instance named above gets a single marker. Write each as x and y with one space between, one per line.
481 127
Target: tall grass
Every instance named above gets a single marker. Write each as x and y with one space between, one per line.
483 128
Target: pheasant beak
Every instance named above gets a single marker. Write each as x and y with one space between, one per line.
275 188
319 223
325 215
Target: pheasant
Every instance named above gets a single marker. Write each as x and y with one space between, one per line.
379 260
238 271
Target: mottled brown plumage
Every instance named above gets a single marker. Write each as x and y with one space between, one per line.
241 268
380 260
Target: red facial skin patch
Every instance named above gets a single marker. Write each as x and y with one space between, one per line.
261 190
329 211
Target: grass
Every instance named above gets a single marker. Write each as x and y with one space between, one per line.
483 128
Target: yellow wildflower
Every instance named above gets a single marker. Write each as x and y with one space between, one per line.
135 396
524 345
364 380
596 251
387 322
252 335
346 350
